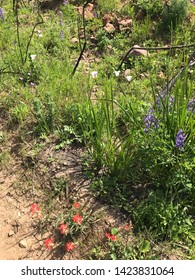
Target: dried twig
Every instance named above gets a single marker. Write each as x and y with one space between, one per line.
85 39
30 38
153 49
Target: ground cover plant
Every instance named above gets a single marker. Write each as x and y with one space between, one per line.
113 83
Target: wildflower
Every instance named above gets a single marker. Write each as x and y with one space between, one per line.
21 78
171 101
76 205
61 35
77 219
2 14
191 105
64 2
94 74
69 246
111 237
149 120
108 235
180 138
61 23
64 229
128 78
35 208
49 243
127 227
117 73
32 84
33 56
95 14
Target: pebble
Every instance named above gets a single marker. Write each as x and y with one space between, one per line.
23 243
11 233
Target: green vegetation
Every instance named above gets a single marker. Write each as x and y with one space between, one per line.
138 135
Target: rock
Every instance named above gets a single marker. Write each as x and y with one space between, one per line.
23 243
2 181
127 72
126 22
11 233
109 28
89 15
138 52
74 40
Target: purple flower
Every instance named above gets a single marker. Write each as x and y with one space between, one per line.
149 120
61 22
64 2
180 138
61 35
191 105
171 101
32 84
2 14
95 14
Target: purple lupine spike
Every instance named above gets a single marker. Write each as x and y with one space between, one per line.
149 120
180 138
191 105
171 101
61 35
2 14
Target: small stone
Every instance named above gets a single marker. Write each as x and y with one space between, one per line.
139 52
74 40
11 233
23 243
2 181
127 72
126 22
109 28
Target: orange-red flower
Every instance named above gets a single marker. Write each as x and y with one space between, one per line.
111 237
77 219
35 208
49 243
76 205
127 227
69 246
64 229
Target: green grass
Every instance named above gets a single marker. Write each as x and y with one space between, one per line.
135 168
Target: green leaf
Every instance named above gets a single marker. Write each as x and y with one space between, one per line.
144 246
114 231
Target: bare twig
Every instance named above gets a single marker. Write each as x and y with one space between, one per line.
16 7
85 39
30 38
153 49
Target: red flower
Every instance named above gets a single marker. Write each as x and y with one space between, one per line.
49 243
35 208
69 246
76 205
64 229
77 219
111 237
108 235
127 227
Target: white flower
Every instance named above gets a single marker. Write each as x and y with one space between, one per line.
128 78
33 56
117 73
40 35
94 74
